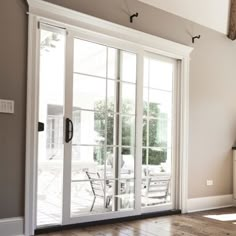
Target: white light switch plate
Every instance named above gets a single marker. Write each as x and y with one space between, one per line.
6 106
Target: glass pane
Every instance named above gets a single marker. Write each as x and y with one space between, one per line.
145 102
158 133
160 104
128 67
127 163
111 128
146 73
144 192
128 98
157 180
111 95
144 162
156 190
156 184
103 110
87 159
90 58
112 63
112 153
81 198
50 141
89 127
91 197
145 132
160 74
156 156
128 130
126 195
89 93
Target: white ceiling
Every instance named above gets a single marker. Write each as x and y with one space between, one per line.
213 14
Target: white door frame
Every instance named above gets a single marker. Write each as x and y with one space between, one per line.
69 19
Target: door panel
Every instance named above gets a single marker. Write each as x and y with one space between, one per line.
93 175
104 94
158 168
50 139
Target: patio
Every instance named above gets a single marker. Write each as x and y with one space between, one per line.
121 192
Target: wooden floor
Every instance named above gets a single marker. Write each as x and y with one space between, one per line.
214 223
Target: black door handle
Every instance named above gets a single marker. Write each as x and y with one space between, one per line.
40 126
69 130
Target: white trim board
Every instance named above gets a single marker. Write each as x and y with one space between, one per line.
70 18
209 203
12 226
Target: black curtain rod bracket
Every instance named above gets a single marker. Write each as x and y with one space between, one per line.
132 16
195 37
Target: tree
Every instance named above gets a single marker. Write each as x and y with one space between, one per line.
157 146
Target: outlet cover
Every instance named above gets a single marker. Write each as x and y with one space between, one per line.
209 182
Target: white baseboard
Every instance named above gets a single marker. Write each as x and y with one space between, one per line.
209 203
12 226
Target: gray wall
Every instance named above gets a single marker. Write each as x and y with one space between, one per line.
13 55
212 94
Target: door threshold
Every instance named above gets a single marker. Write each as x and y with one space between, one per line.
52 229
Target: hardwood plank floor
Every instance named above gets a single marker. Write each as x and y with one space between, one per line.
221 222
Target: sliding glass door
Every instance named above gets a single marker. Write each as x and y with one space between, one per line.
104 94
93 94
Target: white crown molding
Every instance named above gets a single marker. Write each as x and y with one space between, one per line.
70 17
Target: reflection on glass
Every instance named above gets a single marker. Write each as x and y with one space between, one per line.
89 58
89 92
128 98
87 158
128 67
128 130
